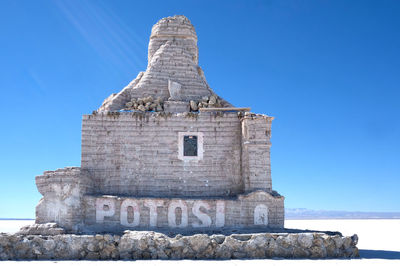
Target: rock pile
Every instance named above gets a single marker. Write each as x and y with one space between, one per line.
153 245
157 105
206 102
145 104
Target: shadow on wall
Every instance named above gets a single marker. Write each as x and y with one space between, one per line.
379 254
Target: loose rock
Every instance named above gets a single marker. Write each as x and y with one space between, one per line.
193 106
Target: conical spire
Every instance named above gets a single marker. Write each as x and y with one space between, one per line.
172 58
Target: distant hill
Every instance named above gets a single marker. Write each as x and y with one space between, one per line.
302 213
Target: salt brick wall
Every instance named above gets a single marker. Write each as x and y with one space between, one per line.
137 155
256 163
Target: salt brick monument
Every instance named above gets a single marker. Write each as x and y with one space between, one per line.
166 152
169 170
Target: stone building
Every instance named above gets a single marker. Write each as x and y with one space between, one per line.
166 152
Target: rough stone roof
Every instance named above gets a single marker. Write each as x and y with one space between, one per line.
172 55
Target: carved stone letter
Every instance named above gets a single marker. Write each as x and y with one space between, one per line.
203 217
152 205
104 207
171 214
124 213
220 214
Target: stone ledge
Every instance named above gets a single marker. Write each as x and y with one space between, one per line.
41 229
153 245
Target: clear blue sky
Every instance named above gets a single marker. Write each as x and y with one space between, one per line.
329 71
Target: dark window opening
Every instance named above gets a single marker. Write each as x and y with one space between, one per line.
190 146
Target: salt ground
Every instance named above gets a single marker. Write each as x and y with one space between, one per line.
378 243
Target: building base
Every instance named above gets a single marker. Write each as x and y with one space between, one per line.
133 245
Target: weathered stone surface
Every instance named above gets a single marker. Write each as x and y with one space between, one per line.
176 106
62 192
175 91
152 245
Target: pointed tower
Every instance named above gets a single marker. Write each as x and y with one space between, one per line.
172 73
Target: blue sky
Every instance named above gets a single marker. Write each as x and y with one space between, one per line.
328 71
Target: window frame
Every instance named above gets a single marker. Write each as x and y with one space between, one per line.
200 149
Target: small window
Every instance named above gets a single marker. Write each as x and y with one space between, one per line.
190 146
